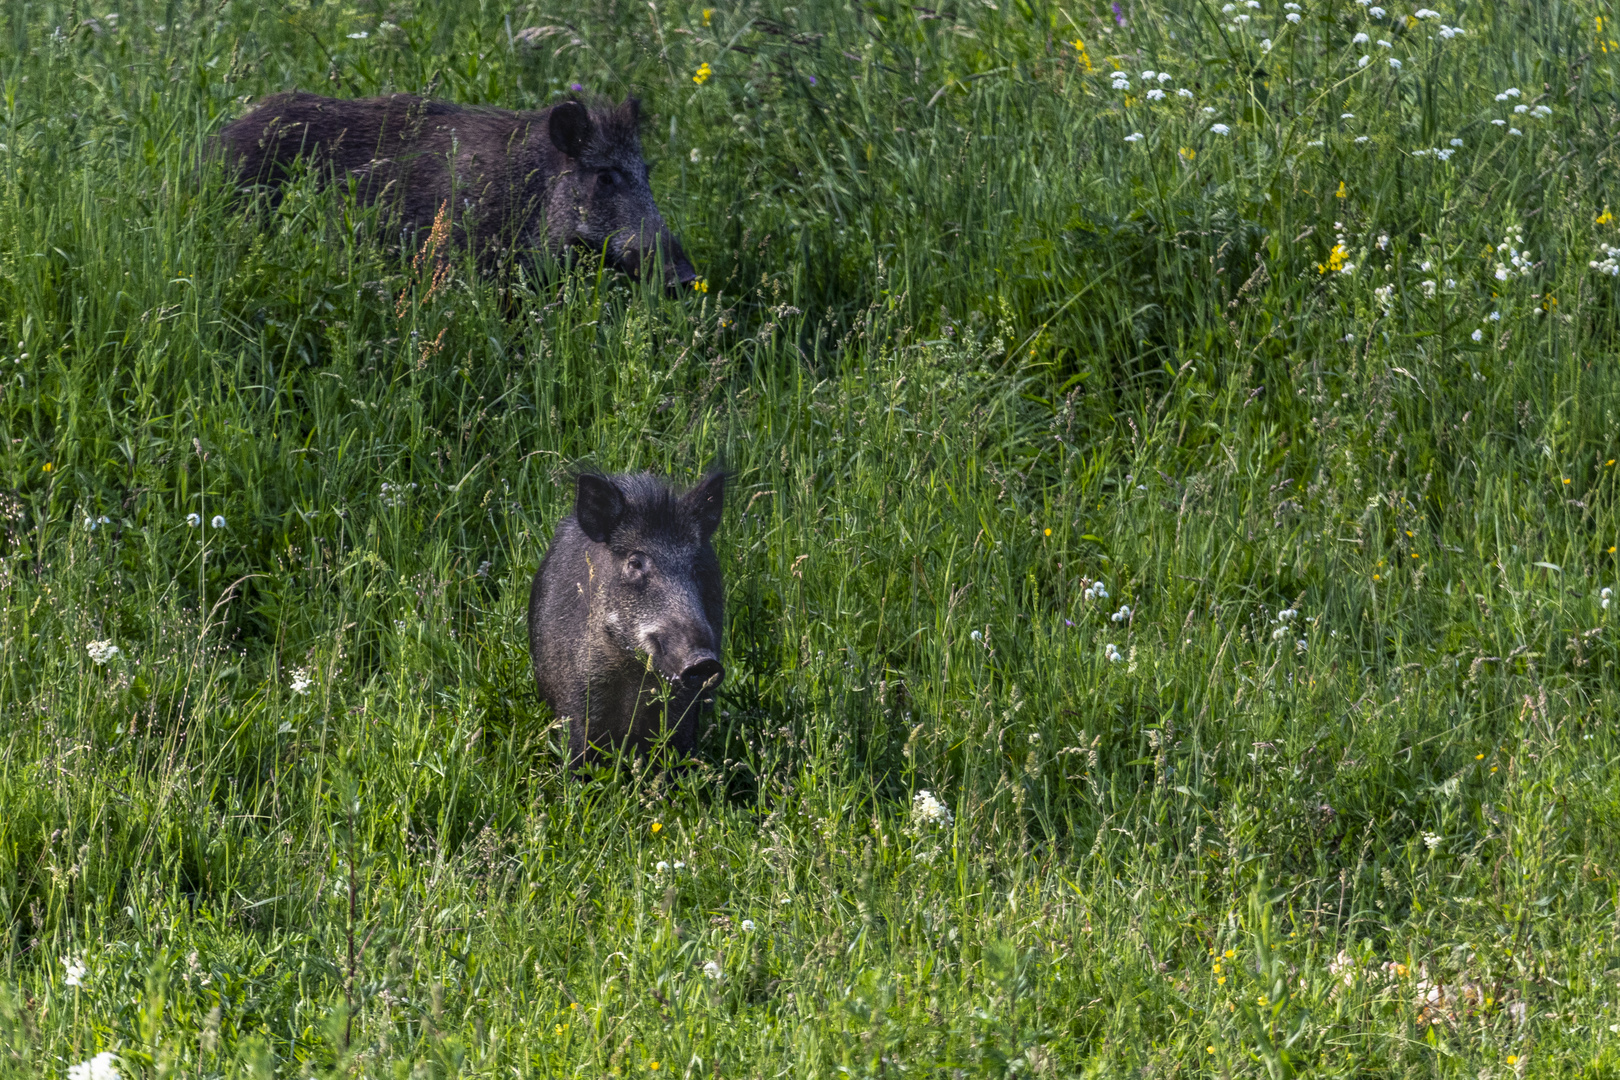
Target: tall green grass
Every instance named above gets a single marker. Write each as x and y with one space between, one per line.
1345 804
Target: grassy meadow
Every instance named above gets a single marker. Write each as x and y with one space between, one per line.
1167 555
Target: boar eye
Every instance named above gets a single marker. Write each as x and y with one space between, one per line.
605 178
635 564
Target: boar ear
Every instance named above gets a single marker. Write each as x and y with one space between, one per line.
570 128
705 502
598 506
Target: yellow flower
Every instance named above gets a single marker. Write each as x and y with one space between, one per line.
1493 768
1221 981
1081 55
708 11
1343 192
653 1065
1048 532
1513 1059
1611 549
1605 217
1217 968
1409 532
1378 577
700 285
1566 479
657 827
1336 257
1479 757
1211 1049
1229 953
1400 970
1606 464
703 73
48 467
1263 1001
1188 153
1411 21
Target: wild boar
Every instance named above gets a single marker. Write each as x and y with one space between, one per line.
561 177
625 615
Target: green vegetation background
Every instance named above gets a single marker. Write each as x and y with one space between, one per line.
1344 804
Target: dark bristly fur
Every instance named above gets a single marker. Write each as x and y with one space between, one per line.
566 176
625 614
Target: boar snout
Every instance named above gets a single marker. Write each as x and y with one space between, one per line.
702 672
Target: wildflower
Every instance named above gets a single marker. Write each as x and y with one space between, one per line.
1431 840
301 682
712 970
1111 653
1428 287
1605 595
1122 615
703 73
101 652
1513 1059
1376 12
700 285
1208 111
1165 76
1520 109
657 827
1514 131
1292 17
927 811
360 36
1385 295
193 520
1456 142
1361 138
695 156
1135 136
1382 44
1478 335
1155 94
1279 633
1610 263
1540 112
1499 123
1360 39
1148 74
708 13
104 1066
1120 83
74 976
653 1065
661 867
1495 316
1425 13
1364 61
1220 129
1443 155
1291 6
1343 191
1512 91
748 926
977 637
47 467
1301 646
218 522
1604 218
91 524
1265 44
1184 92
1394 64
1449 32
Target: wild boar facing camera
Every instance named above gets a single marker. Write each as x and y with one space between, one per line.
561 177
625 615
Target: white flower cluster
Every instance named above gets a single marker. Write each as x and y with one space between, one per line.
1518 260
1442 154
1610 263
1605 596
393 495
928 811
1122 615
1385 295
1095 591
711 970
76 971
1425 13
101 652
1135 136
664 867
1111 653
301 682
1431 841
748 926
1220 129
104 1066
1121 81
1449 32
91 524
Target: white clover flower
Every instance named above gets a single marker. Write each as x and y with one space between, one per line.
1111 653
1155 94
1609 264
977 637
193 520
1184 92
1502 272
1122 615
1376 12
1287 614
927 811
1135 136
301 682
1478 335
1292 17
104 1066
1385 295
748 926
1091 594
712 970
75 973
679 865
1605 596
1100 589
101 652
1540 112
1279 633
1220 129
1364 61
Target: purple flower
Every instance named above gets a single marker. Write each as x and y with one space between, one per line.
1068 622
812 80
1119 16
576 87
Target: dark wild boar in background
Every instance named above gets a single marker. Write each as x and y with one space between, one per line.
567 176
625 615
